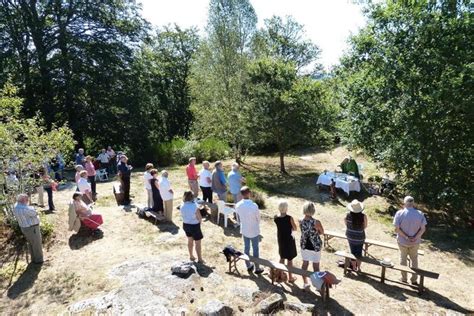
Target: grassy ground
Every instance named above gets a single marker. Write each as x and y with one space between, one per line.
78 267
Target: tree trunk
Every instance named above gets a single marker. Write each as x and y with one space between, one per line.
282 162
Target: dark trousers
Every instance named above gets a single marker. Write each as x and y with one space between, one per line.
93 186
105 165
157 202
126 190
206 194
50 198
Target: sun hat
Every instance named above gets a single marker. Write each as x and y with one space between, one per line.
355 206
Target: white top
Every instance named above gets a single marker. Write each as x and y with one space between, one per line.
203 175
188 212
84 186
249 218
165 187
146 180
103 157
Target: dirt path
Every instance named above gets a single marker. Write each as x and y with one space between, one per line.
78 268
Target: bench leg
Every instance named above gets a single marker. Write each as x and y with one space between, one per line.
421 284
346 265
382 278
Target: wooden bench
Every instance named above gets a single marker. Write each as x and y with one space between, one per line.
157 216
329 234
324 291
422 273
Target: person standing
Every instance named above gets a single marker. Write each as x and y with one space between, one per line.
79 158
112 160
356 223
155 189
104 159
249 216
91 175
286 241
310 242
205 181
167 195
48 187
29 223
410 224
192 225
125 171
147 184
235 182
191 172
218 181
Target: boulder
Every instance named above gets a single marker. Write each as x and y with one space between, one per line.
245 293
270 304
299 307
215 308
183 269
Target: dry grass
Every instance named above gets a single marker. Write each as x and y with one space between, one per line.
78 268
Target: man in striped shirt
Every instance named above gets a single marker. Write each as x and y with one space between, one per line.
28 220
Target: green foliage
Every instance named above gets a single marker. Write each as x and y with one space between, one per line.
180 150
406 89
46 228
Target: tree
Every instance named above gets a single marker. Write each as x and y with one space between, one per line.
407 93
25 144
218 73
285 39
284 109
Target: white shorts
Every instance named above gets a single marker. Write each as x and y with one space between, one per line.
311 255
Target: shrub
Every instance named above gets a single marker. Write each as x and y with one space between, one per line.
46 227
258 198
164 153
212 149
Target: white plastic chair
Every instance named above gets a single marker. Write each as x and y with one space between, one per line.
224 210
101 175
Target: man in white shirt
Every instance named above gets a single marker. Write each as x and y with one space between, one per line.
28 220
167 195
104 159
205 181
249 215
146 183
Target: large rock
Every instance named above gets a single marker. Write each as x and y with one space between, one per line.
183 269
245 293
270 304
215 308
299 307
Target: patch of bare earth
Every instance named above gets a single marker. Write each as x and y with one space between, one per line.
82 268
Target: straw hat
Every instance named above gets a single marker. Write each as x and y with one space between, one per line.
355 206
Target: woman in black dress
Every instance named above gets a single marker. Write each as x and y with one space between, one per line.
155 189
286 242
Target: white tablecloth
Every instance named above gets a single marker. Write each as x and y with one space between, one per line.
343 181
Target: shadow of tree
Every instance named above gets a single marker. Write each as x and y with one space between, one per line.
25 281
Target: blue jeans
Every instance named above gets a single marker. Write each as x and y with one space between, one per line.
254 241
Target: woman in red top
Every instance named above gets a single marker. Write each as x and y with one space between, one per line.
91 175
192 174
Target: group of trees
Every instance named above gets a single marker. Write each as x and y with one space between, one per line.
402 93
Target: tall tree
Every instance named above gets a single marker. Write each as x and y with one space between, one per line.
219 72
407 84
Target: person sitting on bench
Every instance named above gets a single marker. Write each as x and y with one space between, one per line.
311 243
356 223
84 212
286 241
410 224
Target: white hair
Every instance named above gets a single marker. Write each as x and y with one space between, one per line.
21 197
235 165
283 206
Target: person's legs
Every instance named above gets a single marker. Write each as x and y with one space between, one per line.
198 250
291 279
169 210
190 248
222 196
403 259
40 191
237 197
316 266
304 266
247 251
49 191
150 198
33 236
126 189
413 253
255 241
93 185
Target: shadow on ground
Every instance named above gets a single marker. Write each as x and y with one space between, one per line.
25 281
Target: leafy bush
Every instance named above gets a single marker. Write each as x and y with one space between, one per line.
179 150
46 227
258 198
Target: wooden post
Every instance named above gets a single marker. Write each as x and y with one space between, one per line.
383 274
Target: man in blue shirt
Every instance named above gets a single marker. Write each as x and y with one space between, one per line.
235 182
410 224
80 159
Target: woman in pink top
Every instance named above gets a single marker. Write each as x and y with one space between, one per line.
91 174
191 172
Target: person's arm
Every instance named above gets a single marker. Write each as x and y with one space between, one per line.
365 221
400 232
319 227
258 216
293 224
198 215
420 232
157 185
30 212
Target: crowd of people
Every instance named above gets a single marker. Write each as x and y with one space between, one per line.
409 222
